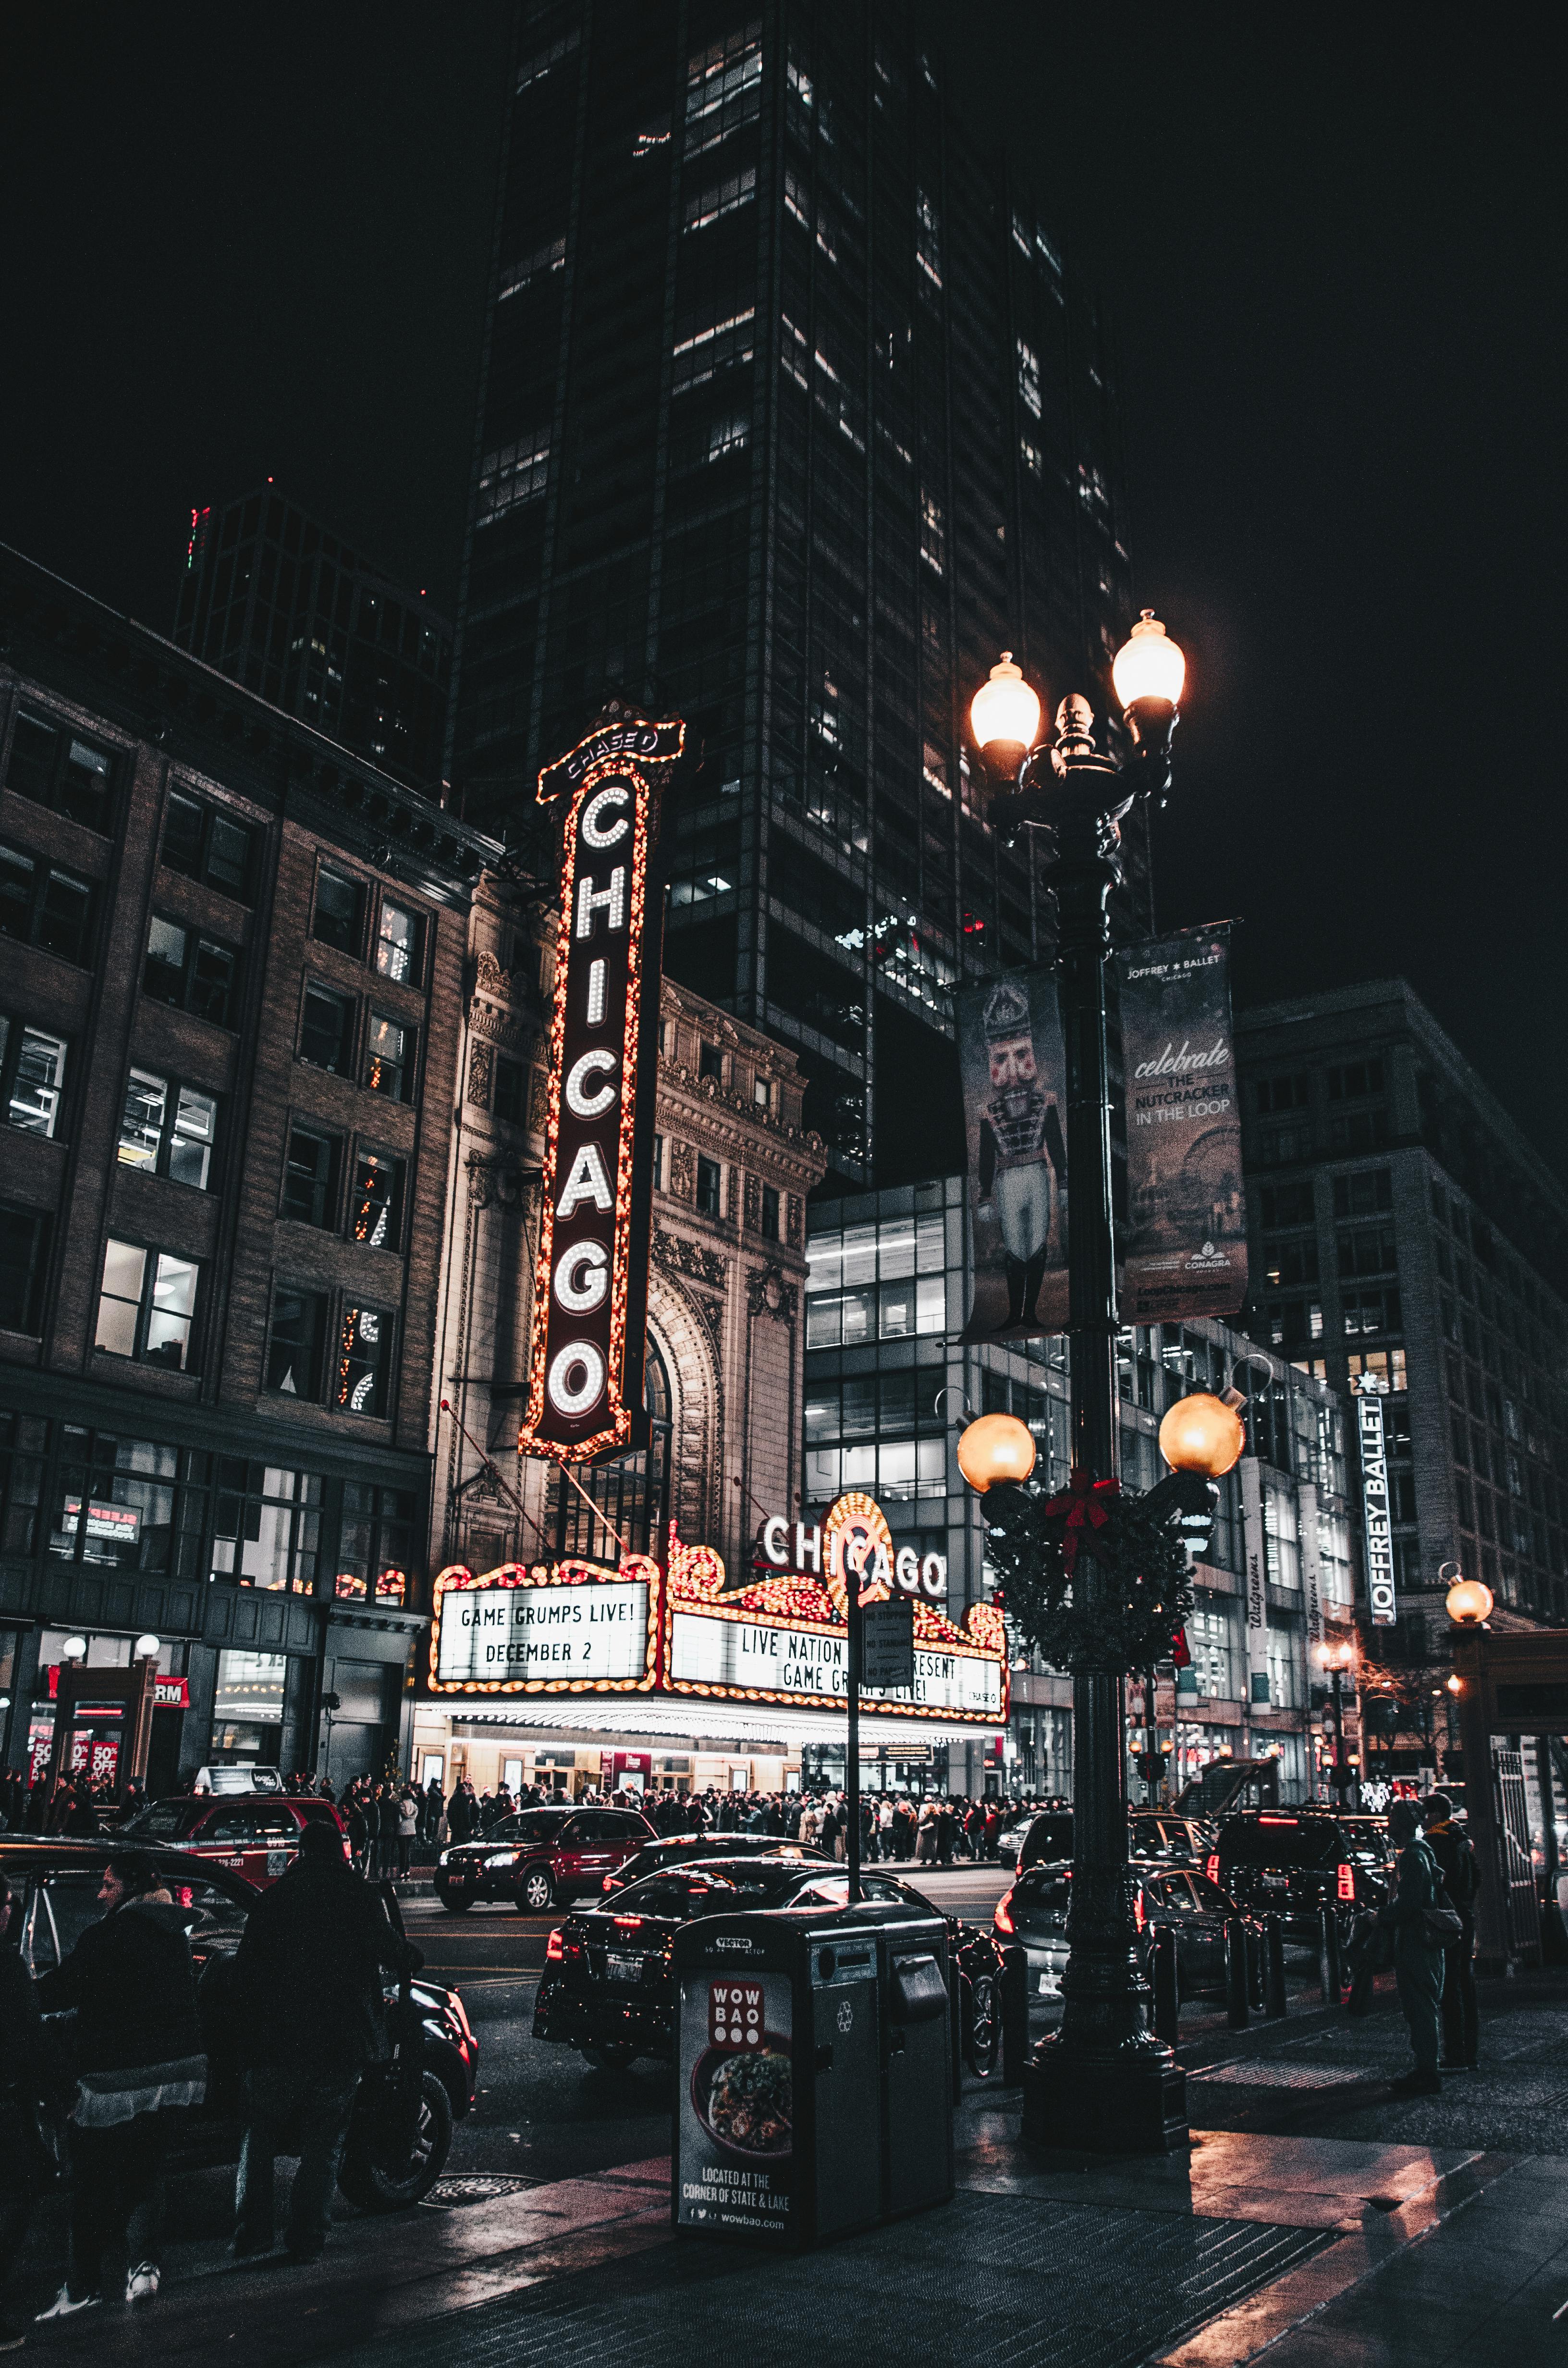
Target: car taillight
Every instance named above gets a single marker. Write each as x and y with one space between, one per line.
554 1948
1139 1913
1214 1866
610 1883
1003 1918
1346 1888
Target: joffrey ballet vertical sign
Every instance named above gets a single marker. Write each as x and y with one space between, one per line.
591 1282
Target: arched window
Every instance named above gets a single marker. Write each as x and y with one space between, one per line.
632 1491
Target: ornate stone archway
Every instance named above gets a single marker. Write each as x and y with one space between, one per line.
684 1323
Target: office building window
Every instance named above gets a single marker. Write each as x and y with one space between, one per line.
389 1058
127 1503
1365 1193
310 1177
375 1207
42 905
659 1183
295 1341
377 1543
205 844
326 1029
710 1063
147 1305
265 1526
192 972
340 911
710 1187
168 1129
398 943
769 1213
510 1094
24 1256
32 1077
1273 1094
362 1383
872 1282
1354 1081
53 767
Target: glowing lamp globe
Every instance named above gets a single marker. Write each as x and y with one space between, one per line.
1469 1602
997 1447
1148 665
1201 1433
1004 710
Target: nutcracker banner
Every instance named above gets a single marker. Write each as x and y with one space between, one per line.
1185 1247
1015 1089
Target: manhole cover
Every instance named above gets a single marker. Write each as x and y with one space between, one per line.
473 2187
1270 2075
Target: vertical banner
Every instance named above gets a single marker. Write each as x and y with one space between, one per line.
1311 1574
1381 1602
591 1280
1255 1557
1014 1073
1185 1252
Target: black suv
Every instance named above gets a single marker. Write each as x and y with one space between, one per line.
1295 1862
402 2130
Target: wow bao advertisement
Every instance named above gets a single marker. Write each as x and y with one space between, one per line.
736 2106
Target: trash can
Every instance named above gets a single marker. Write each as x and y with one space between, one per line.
814 2081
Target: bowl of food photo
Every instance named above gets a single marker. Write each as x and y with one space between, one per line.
745 2100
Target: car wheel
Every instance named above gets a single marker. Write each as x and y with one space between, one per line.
982 2034
609 2059
379 2178
538 1892
454 1907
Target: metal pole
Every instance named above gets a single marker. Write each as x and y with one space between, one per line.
856 1619
1102 2080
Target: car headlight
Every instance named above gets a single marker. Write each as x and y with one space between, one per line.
499 1858
444 1857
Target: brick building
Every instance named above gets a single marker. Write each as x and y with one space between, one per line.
725 1315
231 990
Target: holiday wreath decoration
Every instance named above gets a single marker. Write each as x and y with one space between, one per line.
1093 1577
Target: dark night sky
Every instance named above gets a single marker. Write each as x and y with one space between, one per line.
240 242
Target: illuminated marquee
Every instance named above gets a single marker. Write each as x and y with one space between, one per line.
591 1282
575 1628
1376 1518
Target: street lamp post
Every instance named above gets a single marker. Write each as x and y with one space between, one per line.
1336 1659
1102 2080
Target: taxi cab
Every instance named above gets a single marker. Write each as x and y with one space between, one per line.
253 1834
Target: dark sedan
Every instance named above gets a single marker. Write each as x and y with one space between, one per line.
607 1988
402 2130
658 1856
540 1857
1034 1913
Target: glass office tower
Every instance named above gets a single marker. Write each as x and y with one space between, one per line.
793 416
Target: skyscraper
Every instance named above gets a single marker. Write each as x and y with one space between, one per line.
792 416
276 600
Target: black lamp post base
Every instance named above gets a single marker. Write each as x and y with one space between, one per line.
1133 2102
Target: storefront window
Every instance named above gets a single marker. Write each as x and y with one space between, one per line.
266 1525
247 1707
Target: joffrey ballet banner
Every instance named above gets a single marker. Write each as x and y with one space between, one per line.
1014 1073
1184 1251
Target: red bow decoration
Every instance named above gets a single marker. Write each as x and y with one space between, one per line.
1082 1501
1181 1652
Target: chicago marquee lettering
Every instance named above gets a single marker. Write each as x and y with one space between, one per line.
590 1285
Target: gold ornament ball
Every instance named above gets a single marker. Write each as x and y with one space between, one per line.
1201 1433
1469 1603
997 1447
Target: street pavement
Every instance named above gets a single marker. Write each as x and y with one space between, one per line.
1316 2220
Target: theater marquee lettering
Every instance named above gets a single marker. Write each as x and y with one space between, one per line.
590 1284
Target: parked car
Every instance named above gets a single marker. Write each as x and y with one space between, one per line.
1295 1862
1034 1914
402 2130
607 1989
540 1857
253 1834
1150 1833
659 1855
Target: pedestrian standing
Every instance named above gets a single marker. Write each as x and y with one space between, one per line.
1417 1954
430 1823
138 2055
1457 1864
25 2164
407 1827
308 1983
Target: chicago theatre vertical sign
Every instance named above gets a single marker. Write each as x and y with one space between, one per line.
591 1283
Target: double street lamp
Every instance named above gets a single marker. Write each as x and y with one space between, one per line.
1103 2080
1336 1659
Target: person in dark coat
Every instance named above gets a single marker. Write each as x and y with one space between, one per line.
1417 1962
430 1810
24 2084
137 2050
1457 1864
461 1812
308 1995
